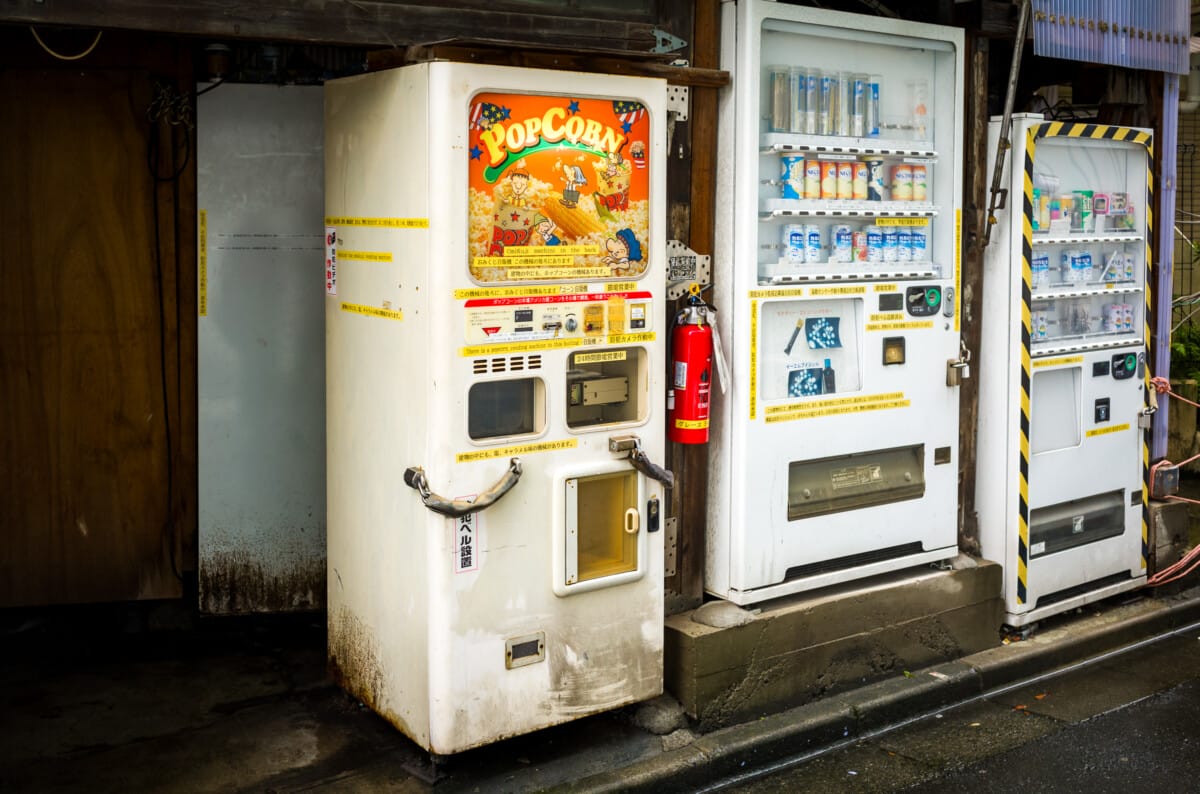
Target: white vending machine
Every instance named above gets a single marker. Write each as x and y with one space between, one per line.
494 319
836 446
1061 486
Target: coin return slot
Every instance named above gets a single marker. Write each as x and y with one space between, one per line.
520 651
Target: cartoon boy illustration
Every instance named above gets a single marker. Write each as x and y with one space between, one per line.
518 183
543 232
622 249
573 176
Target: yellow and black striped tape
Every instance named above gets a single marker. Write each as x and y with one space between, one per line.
1071 130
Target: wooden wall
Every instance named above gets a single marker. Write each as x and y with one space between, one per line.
95 503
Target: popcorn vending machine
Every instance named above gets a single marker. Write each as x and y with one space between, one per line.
1061 482
494 319
836 448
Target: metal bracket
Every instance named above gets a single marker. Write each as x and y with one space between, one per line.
670 540
684 267
677 101
666 42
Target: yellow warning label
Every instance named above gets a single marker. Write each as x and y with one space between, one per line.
619 286
838 290
366 256
203 264
1104 431
753 359
845 409
629 339
901 221
687 424
372 311
1055 362
796 292
385 223
886 317
598 358
514 292
834 402
886 288
906 326
520 347
523 261
523 449
540 251
540 273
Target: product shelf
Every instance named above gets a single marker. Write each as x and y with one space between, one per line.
819 272
1077 291
833 144
788 208
1082 343
1103 237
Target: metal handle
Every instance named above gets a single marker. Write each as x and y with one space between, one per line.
639 461
414 477
633 521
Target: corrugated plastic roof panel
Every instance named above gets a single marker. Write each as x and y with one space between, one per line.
1138 34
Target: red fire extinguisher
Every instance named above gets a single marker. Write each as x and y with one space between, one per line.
691 372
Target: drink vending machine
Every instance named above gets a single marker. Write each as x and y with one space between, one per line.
835 450
1061 486
495 328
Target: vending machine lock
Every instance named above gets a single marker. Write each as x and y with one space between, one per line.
1146 417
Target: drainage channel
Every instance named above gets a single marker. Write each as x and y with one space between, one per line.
791 762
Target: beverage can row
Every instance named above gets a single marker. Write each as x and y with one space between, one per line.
861 180
813 101
808 244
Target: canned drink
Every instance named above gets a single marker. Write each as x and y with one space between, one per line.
843 243
793 176
874 244
872 122
780 98
920 183
920 245
902 183
799 97
829 178
812 179
827 107
858 245
845 180
875 187
891 244
1040 267
845 89
793 243
904 247
861 177
814 243
1083 211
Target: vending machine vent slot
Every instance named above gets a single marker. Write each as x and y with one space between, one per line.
853 561
1065 594
499 365
516 363
534 362
479 366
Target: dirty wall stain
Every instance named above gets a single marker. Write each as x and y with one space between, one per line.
233 583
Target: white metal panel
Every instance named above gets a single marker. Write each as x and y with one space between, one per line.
261 349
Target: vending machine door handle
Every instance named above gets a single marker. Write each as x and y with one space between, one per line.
414 477
639 461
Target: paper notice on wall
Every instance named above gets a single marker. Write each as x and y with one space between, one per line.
330 260
467 532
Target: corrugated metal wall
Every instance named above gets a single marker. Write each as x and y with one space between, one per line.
1138 34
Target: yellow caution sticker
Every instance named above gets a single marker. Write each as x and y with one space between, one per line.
202 265
753 359
630 339
540 251
795 292
836 405
886 288
618 286
522 261
545 273
843 409
886 317
838 290
599 358
381 223
520 347
372 311
519 292
691 424
522 449
1104 431
1056 362
366 256
901 221
905 326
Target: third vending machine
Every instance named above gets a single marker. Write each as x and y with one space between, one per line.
837 271
1061 486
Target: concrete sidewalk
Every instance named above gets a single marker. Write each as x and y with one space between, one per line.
111 701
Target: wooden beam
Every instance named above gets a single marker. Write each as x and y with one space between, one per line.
365 23
975 202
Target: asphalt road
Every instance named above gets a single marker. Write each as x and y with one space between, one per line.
1129 723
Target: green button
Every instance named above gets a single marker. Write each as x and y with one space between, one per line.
933 297
1130 361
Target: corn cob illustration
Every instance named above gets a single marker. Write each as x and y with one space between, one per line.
574 222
